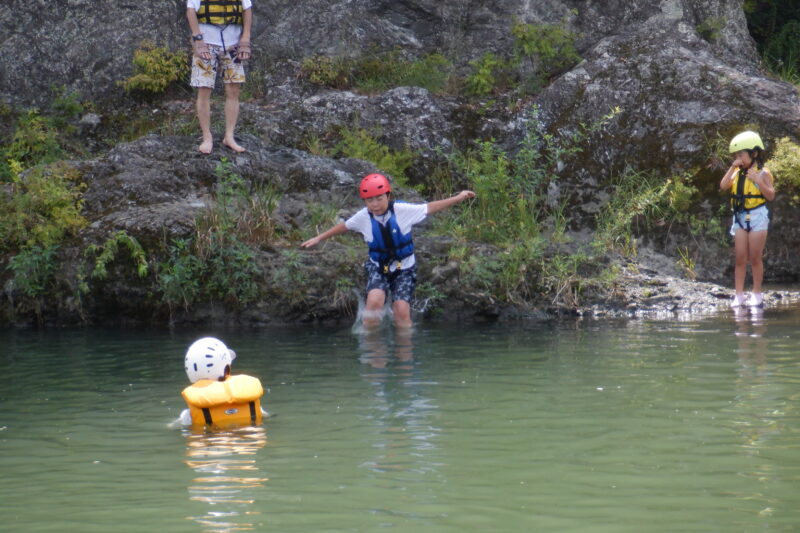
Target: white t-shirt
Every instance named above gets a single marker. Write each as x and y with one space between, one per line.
407 215
212 34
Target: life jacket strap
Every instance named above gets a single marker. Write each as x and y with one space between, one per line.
253 412
207 415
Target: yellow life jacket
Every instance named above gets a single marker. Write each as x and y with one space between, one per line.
746 196
235 401
220 12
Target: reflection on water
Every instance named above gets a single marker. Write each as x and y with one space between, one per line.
401 411
228 476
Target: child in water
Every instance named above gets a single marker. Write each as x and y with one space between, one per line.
386 227
215 397
751 187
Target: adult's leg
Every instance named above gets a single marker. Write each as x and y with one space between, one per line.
755 244
232 91
204 118
740 267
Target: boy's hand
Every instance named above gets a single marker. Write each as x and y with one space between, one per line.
201 50
243 51
310 242
463 195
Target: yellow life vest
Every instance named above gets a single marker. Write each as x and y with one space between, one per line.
220 12
235 401
746 195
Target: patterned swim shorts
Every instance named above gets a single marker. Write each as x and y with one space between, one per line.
401 283
204 72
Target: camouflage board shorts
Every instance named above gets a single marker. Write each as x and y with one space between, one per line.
204 72
401 283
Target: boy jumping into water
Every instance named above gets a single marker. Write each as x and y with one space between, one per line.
386 227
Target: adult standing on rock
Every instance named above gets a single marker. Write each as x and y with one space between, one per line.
220 40
751 187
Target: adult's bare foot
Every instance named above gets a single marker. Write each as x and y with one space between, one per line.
206 146
233 145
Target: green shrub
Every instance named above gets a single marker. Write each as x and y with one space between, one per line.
34 268
489 73
155 69
549 48
378 72
327 71
361 144
785 167
35 141
41 208
66 106
178 278
642 199
216 264
710 28
107 253
511 191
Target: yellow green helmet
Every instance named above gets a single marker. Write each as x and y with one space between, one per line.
747 140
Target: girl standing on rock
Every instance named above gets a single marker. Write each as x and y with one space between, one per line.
751 187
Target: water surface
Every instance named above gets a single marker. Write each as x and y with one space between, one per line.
580 426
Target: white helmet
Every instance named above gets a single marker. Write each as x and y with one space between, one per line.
208 358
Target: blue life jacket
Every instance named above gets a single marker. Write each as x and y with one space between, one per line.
388 242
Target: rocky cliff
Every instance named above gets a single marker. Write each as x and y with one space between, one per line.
681 73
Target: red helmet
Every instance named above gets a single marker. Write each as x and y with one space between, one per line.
374 185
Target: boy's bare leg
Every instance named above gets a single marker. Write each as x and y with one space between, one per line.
204 118
402 314
373 311
232 91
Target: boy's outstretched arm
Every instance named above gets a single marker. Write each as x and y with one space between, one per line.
439 205
338 229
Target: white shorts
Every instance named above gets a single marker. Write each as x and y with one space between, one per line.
758 218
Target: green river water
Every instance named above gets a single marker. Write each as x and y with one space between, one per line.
630 426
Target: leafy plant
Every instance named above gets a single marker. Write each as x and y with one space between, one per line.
549 48
687 263
34 267
35 141
327 71
380 72
377 71
361 144
642 198
178 278
487 73
216 264
710 28
155 68
785 167
107 253
41 207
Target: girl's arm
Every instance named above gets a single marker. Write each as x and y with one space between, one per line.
763 179
338 229
439 205
727 179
